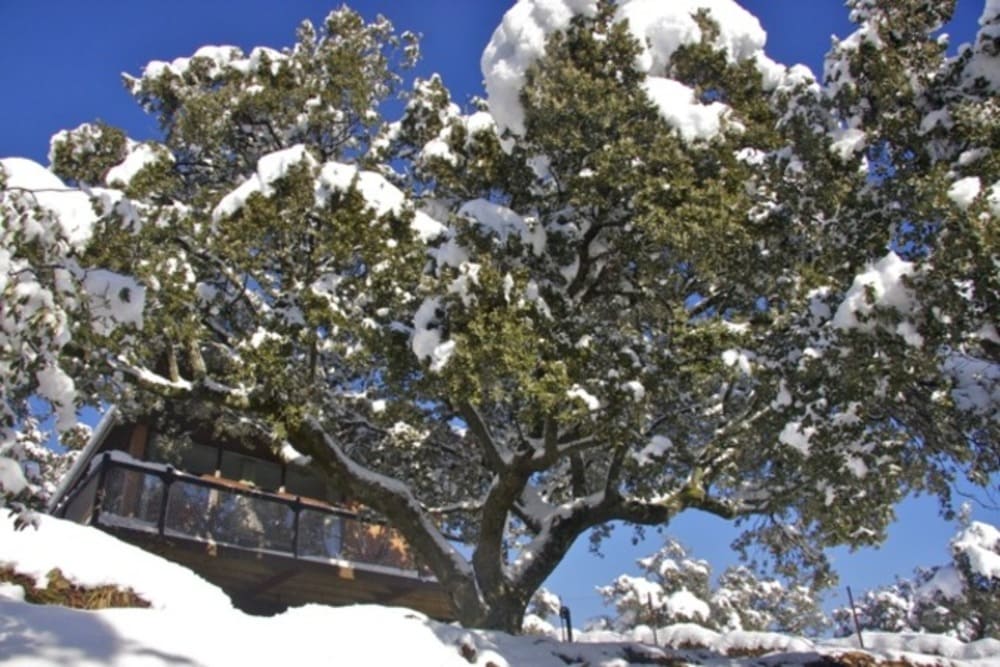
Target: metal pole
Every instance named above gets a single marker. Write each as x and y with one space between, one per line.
652 620
854 613
564 616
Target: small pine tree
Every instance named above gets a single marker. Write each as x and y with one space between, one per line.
676 588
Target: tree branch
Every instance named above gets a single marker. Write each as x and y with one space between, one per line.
392 498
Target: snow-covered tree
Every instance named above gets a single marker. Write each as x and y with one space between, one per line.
48 297
961 599
676 588
654 271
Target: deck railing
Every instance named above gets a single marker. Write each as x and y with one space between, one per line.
151 498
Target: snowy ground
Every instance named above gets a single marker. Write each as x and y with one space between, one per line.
192 623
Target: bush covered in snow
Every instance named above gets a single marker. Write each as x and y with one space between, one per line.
960 598
677 588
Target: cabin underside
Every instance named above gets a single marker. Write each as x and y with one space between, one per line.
268 583
267 549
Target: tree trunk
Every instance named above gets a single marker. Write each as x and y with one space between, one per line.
505 614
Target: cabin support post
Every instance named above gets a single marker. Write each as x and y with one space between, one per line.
296 512
168 480
95 512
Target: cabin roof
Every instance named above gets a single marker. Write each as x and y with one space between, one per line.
82 463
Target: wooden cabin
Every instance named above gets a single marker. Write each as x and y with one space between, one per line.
271 534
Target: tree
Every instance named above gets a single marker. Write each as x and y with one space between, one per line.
961 599
654 272
47 295
676 588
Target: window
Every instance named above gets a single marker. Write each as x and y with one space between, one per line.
184 454
264 475
303 482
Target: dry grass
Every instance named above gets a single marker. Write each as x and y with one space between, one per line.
61 591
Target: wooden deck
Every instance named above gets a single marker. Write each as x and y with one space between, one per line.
268 551
267 583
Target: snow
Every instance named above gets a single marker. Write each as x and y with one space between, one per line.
663 29
12 480
381 195
686 603
82 555
678 105
984 65
139 157
993 199
964 191
636 389
71 208
797 437
426 342
270 168
114 299
504 222
980 544
656 448
183 606
738 358
58 388
660 28
976 383
847 142
946 581
579 393
884 281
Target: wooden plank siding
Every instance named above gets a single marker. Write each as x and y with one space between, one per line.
267 583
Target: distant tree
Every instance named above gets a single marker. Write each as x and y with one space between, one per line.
676 588
961 599
656 272
543 607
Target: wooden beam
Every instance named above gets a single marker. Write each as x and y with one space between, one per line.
271 582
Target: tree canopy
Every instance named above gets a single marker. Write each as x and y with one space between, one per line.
653 271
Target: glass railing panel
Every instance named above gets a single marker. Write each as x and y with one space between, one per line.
207 510
131 498
229 517
188 510
321 534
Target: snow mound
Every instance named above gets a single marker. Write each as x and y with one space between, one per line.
175 631
88 557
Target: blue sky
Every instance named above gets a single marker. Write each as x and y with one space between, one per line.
60 65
